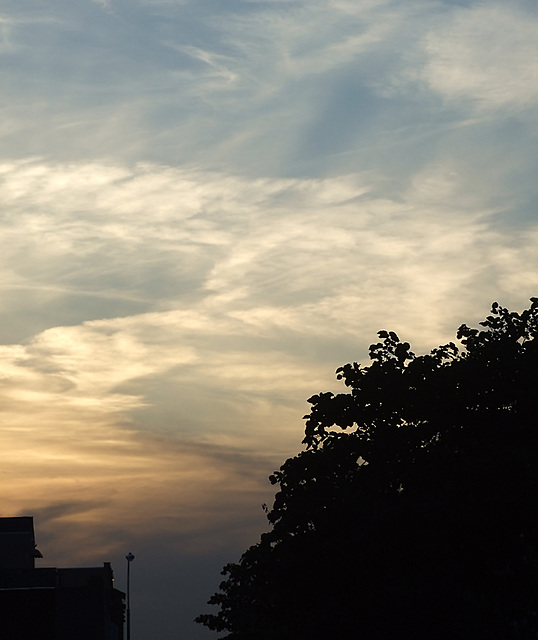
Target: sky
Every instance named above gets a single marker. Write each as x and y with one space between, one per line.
206 207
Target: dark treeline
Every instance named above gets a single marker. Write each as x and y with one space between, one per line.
412 511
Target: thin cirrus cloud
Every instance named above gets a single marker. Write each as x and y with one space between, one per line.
206 208
223 244
486 55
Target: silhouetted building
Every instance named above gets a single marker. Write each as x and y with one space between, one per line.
50 603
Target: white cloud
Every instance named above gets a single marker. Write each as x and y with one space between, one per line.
305 38
159 235
105 4
4 34
487 54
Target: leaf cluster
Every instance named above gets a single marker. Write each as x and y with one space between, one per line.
410 512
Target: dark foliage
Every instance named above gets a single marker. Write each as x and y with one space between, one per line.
412 511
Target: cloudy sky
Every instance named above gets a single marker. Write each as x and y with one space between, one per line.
206 207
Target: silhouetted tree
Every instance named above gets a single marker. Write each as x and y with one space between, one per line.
412 511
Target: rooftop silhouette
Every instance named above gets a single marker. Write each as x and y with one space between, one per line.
52 603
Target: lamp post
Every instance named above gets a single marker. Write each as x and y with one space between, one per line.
129 557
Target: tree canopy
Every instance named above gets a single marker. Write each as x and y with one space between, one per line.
411 511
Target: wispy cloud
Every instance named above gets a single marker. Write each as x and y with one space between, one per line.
105 4
486 54
222 243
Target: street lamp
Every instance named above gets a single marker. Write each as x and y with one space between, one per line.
129 557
